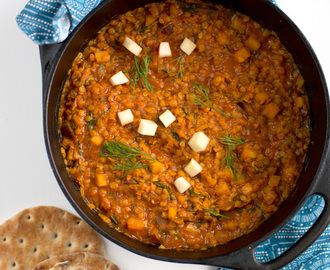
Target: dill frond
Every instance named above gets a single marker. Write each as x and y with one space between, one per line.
205 92
126 158
230 157
158 184
215 213
140 71
178 61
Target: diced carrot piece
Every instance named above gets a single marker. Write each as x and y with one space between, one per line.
149 19
223 38
249 153
274 180
271 110
135 224
252 43
172 212
222 189
101 180
299 102
261 97
242 54
97 140
102 57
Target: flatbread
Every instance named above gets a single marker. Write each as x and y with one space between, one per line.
42 232
76 261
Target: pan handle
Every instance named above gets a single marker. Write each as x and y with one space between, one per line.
245 258
48 55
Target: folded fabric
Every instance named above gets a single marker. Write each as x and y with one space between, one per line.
315 257
51 21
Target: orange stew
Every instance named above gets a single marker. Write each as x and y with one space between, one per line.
223 80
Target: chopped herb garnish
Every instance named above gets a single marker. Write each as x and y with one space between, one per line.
258 169
189 7
184 111
309 126
93 121
148 26
230 157
205 93
80 149
280 160
256 206
195 120
178 236
140 71
126 158
101 70
191 191
178 61
73 125
215 213
175 135
114 219
158 184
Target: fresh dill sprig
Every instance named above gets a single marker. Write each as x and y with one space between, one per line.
205 92
178 61
230 157
191 191
140 71
158 184
114 219
127 158
93 121
231 141
148 26
215 213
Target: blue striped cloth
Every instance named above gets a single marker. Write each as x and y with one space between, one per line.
50 21
315 257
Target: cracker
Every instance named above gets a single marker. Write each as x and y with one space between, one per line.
39 233
78 260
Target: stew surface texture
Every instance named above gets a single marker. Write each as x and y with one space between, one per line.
234 88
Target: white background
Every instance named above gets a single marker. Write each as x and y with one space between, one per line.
26 179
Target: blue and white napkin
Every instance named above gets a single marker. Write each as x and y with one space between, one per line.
316 257
51 21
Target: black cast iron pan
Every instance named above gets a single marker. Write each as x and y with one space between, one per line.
239 254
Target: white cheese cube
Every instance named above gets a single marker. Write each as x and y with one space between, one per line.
199 141
147 127
132 46
125 117
167 118
118 78
193 168
181 184
187 46
164 50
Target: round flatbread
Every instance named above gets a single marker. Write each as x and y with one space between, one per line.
39 233
76 261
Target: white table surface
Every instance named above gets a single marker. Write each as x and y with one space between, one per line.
26 179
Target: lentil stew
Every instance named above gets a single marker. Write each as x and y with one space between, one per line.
234 87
